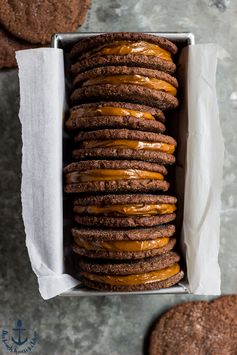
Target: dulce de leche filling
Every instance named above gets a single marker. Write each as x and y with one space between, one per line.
137 279
127 210
122 245
151 83
112 111
130 144
128 47
111 174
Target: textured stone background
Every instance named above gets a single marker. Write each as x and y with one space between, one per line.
113 325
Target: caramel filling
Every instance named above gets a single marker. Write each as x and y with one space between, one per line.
112 111
137 279
111 174
151 83
125 246
130 144
127 210
128 47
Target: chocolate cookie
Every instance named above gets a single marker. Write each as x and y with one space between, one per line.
131 275
121 83
114 176
186 322
37 21
222 326
124 234
87 44
116 211
205 328
116 115
97 250
131 60
114 244
9 45
125 144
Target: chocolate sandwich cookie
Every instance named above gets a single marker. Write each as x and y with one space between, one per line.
87 44
37 21
130 49
205 328
125 144
130 60
123 244
122 83
131 275
116 211
114 176
100 115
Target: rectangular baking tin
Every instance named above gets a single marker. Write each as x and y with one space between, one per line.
63 41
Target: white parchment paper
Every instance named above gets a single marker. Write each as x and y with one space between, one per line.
41 74
42 95
203 181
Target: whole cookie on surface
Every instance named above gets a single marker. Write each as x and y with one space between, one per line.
8 46
205 328
122 211
122 83
37 21
114 176
131 275
117 115
125 144
114 244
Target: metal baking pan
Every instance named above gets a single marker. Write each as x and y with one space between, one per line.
65 41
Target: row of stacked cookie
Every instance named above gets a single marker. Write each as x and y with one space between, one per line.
120 86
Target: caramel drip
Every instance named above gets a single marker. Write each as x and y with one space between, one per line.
128 47
121 245
127 210
137 279
111 111
130 144
111 174
151 83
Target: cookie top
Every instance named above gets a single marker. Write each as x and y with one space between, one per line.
134 73
127 134
113 164
121 154
130 60
124 234
125 199
9 45
37 21
130 266
89 43
125 92
204 328
124 221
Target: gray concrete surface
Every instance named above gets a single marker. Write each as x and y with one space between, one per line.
113 325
